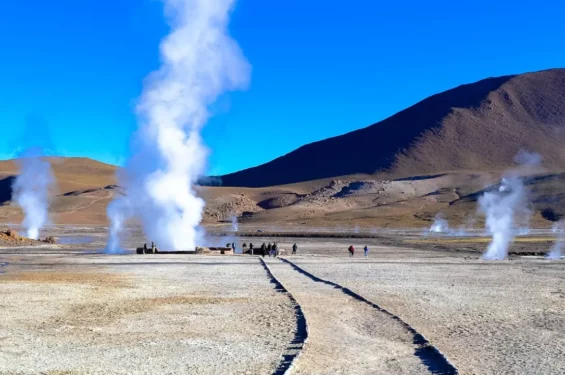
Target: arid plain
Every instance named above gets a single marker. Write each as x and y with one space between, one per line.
408 308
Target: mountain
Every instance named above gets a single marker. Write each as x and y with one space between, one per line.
83 189
477 126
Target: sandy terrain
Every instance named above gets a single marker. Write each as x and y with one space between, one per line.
487 318
69 310
346 336
95 314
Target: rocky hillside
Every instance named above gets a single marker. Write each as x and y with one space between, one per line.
478 126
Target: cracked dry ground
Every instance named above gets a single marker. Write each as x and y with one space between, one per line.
346 336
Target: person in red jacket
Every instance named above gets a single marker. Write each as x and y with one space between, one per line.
351 251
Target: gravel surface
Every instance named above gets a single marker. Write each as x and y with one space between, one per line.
142 315
66 310
346 336
486 317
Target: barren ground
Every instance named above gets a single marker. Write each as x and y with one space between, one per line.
94 314
69 310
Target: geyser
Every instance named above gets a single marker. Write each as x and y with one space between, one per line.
199 62
234 224
440 225
557 249
31 191
502 207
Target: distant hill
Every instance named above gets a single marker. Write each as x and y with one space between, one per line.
478 126
83 189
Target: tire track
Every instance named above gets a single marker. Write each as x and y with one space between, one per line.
296 346
429 355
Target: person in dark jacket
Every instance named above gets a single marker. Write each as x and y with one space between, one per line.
263 249
251 248
269 249
275 250
366 251
351 251
294 248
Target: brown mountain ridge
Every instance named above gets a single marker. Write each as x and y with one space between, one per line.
477 126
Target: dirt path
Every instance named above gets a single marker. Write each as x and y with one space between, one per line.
347 336
487 317
109 195
296 346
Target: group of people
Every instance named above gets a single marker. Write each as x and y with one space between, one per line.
270 249
352 251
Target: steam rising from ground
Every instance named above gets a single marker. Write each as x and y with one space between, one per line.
234 224
31 191
557 249
117 212
440 225
199 62
502 206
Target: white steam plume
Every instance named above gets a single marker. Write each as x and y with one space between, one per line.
504 206
199 62
440 225
557 249
31 191
117 212
500 208
234 224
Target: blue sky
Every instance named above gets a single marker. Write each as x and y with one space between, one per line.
71 70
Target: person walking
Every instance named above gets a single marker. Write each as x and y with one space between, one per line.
233 247
366 249
251 248
351 251
263 249
294 249
275 250
269 249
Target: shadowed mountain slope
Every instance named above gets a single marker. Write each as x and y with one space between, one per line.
478 126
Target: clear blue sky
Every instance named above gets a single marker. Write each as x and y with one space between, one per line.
320 68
